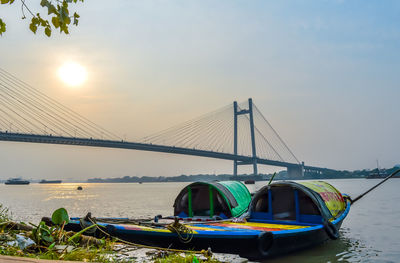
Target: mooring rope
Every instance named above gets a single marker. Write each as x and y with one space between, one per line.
204 252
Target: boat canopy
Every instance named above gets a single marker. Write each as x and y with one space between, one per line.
307 202
223 199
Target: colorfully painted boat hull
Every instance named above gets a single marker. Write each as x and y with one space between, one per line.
254 240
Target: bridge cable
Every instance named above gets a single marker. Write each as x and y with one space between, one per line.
37 95
61 109
275 132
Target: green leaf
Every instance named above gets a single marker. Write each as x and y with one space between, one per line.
33 27
65 12
55 21
51 246
43 22
47 238
65 29
51 9
44 2
47 31
60 216
67 20
77 235
35 20
76 16
2 27
59 12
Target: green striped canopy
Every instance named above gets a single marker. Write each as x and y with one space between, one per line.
225 198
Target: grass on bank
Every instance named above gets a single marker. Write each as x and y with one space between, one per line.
47 238
186 258
48 241
4 214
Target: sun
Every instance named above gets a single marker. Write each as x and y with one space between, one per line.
72 74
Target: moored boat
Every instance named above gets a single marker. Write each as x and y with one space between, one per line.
282 217
312 213
250 182
16 181
50 181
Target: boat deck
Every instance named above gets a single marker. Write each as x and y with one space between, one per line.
232 226
225 227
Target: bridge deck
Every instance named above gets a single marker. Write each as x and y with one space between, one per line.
49 139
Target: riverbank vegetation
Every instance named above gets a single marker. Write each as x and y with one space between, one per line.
50 241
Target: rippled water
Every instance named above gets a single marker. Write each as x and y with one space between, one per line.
370 233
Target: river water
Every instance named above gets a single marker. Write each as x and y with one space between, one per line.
370 233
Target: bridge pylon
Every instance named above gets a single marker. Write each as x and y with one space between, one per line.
236 113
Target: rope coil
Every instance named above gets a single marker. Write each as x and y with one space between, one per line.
184 233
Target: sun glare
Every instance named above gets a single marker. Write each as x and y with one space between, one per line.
72 74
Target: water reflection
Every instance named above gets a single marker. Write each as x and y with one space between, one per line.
67 191
32 202
345 249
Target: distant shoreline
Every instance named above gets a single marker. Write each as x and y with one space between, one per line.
282 175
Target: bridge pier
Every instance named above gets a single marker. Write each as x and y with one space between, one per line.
295 172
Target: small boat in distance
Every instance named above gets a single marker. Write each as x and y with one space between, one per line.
16 181
50 181
379 173
250 182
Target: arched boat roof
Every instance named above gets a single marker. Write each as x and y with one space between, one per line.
235 194
328 199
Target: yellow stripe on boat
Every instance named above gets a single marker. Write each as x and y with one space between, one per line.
254 224
204 228
259 226
224 226
229 226
332 197
146 228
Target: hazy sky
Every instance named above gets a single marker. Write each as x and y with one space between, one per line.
326 74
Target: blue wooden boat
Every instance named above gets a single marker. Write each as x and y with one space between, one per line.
282 217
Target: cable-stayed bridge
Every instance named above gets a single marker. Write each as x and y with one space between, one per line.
237 132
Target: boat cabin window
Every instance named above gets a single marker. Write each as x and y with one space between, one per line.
307 206
283 203
220 206
261 204
286 204
183 206
198 203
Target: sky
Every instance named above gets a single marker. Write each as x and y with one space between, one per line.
325 74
